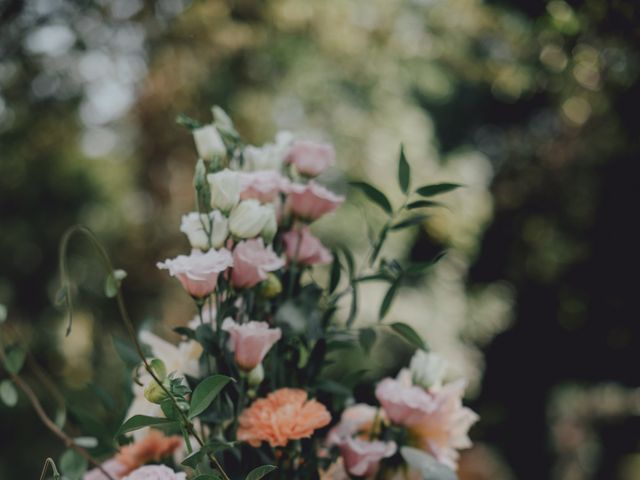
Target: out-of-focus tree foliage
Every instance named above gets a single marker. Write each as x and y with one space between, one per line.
532 106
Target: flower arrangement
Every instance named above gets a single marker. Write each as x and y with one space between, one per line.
244 393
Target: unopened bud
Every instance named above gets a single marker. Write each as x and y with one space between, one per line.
155 393
271 287
255 376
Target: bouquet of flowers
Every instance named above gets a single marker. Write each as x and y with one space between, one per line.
245 393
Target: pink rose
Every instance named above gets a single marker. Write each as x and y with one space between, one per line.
304 248
311 201
310 158
199 271
437 418
250 341
361 455
263 185
251 262
155 472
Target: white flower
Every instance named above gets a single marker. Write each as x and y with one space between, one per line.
250 218
225 189
194 225
270 156
208 142
428 369
155 472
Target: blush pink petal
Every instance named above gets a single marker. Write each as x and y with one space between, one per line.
362 457
251 263
250 341
311 158
263 185
198 272
311 201
303 247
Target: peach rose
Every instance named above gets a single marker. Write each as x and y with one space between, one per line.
310 158
286 414
303 247
198 272
153 447
437 420
250 341
311 201
263 185
251 263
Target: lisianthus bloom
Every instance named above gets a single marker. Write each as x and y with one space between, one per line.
302 247
270 156
209 143
225 189
251 263
250 218
155 472
437 421
250 341
361 454
311 201
152 447
198 272
195 226
182 358
284 415
310 158
263 185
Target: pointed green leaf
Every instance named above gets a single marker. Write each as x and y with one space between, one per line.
258 473
409 222
388 300
14 358
8 393
367 338
423 204
404 172
187 121
375 195
409 334
206 392
73 465
141 421
436 189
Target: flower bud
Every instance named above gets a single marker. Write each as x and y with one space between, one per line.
155 393
271 287
255 376
249 218
428 369
270 228
225 189
209 143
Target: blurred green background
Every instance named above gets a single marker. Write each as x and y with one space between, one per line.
533 106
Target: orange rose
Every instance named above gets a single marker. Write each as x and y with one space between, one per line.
286 414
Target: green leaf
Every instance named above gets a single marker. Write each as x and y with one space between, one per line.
423 203
141 421
404 172
209 476
374 277
367 338
14 358
206 392
258 473
212 447
388 300
187 121
8 393
436 189
409 334
113 282
375 195
419 268
73 465
409 222
334 276
186 331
